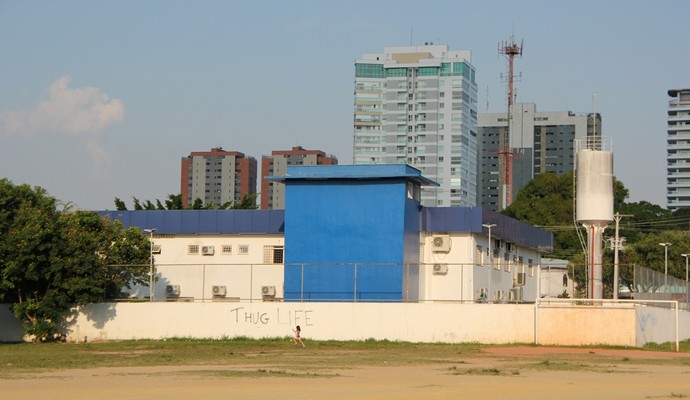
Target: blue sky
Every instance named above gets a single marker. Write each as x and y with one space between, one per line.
102 99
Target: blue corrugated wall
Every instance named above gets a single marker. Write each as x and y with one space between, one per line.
333 225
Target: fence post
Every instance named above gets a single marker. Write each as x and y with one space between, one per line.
354 294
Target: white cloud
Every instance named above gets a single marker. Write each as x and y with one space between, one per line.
78 112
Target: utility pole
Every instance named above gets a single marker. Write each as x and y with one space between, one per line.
617 244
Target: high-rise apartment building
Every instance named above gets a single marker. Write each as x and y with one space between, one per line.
417 105
538 142
273 192
678 150
217 176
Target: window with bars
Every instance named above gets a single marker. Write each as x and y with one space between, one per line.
226 249
243 249
193 249
273 254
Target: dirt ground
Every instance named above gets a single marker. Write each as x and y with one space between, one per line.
496 373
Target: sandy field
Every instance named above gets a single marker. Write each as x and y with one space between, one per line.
496 373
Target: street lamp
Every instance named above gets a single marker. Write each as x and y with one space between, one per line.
150 231
665 264
491 255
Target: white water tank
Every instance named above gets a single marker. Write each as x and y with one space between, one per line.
594 197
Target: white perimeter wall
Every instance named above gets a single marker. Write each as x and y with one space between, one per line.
418 322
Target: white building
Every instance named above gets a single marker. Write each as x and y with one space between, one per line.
678 150
417 105
237 255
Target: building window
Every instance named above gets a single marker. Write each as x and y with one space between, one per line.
273 254
193 249
243 249
226 249
478 256
530 266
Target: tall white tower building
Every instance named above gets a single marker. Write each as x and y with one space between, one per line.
678 150
417 105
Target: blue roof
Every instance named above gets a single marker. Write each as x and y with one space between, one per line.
358 172
203 221
472 219
433 219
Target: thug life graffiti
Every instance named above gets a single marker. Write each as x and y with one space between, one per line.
279 317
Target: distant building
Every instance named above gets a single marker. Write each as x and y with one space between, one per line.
541 142
417 105
217 176
678 150
273 192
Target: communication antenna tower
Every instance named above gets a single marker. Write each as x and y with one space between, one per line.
510 49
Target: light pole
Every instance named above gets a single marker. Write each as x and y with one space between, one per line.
686 277
150 231
666 244
491 259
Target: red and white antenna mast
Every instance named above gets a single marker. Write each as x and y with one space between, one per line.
510 49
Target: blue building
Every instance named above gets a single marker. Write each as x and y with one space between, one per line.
352 232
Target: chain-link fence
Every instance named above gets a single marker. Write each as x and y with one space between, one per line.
635 283
442 282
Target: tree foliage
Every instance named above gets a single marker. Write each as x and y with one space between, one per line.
174 202
51 260
547 202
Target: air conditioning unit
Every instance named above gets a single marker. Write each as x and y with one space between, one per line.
219 291
156 249
208 250
268 291
515 295
440 269
441 243
172 290
483 295
499 296
519 279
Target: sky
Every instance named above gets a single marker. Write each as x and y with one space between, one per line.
103 99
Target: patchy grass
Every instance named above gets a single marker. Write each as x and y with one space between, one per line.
279 353
279 357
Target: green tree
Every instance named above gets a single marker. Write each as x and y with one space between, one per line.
248 202
52 260
120 205
648 253
174 202
547 202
